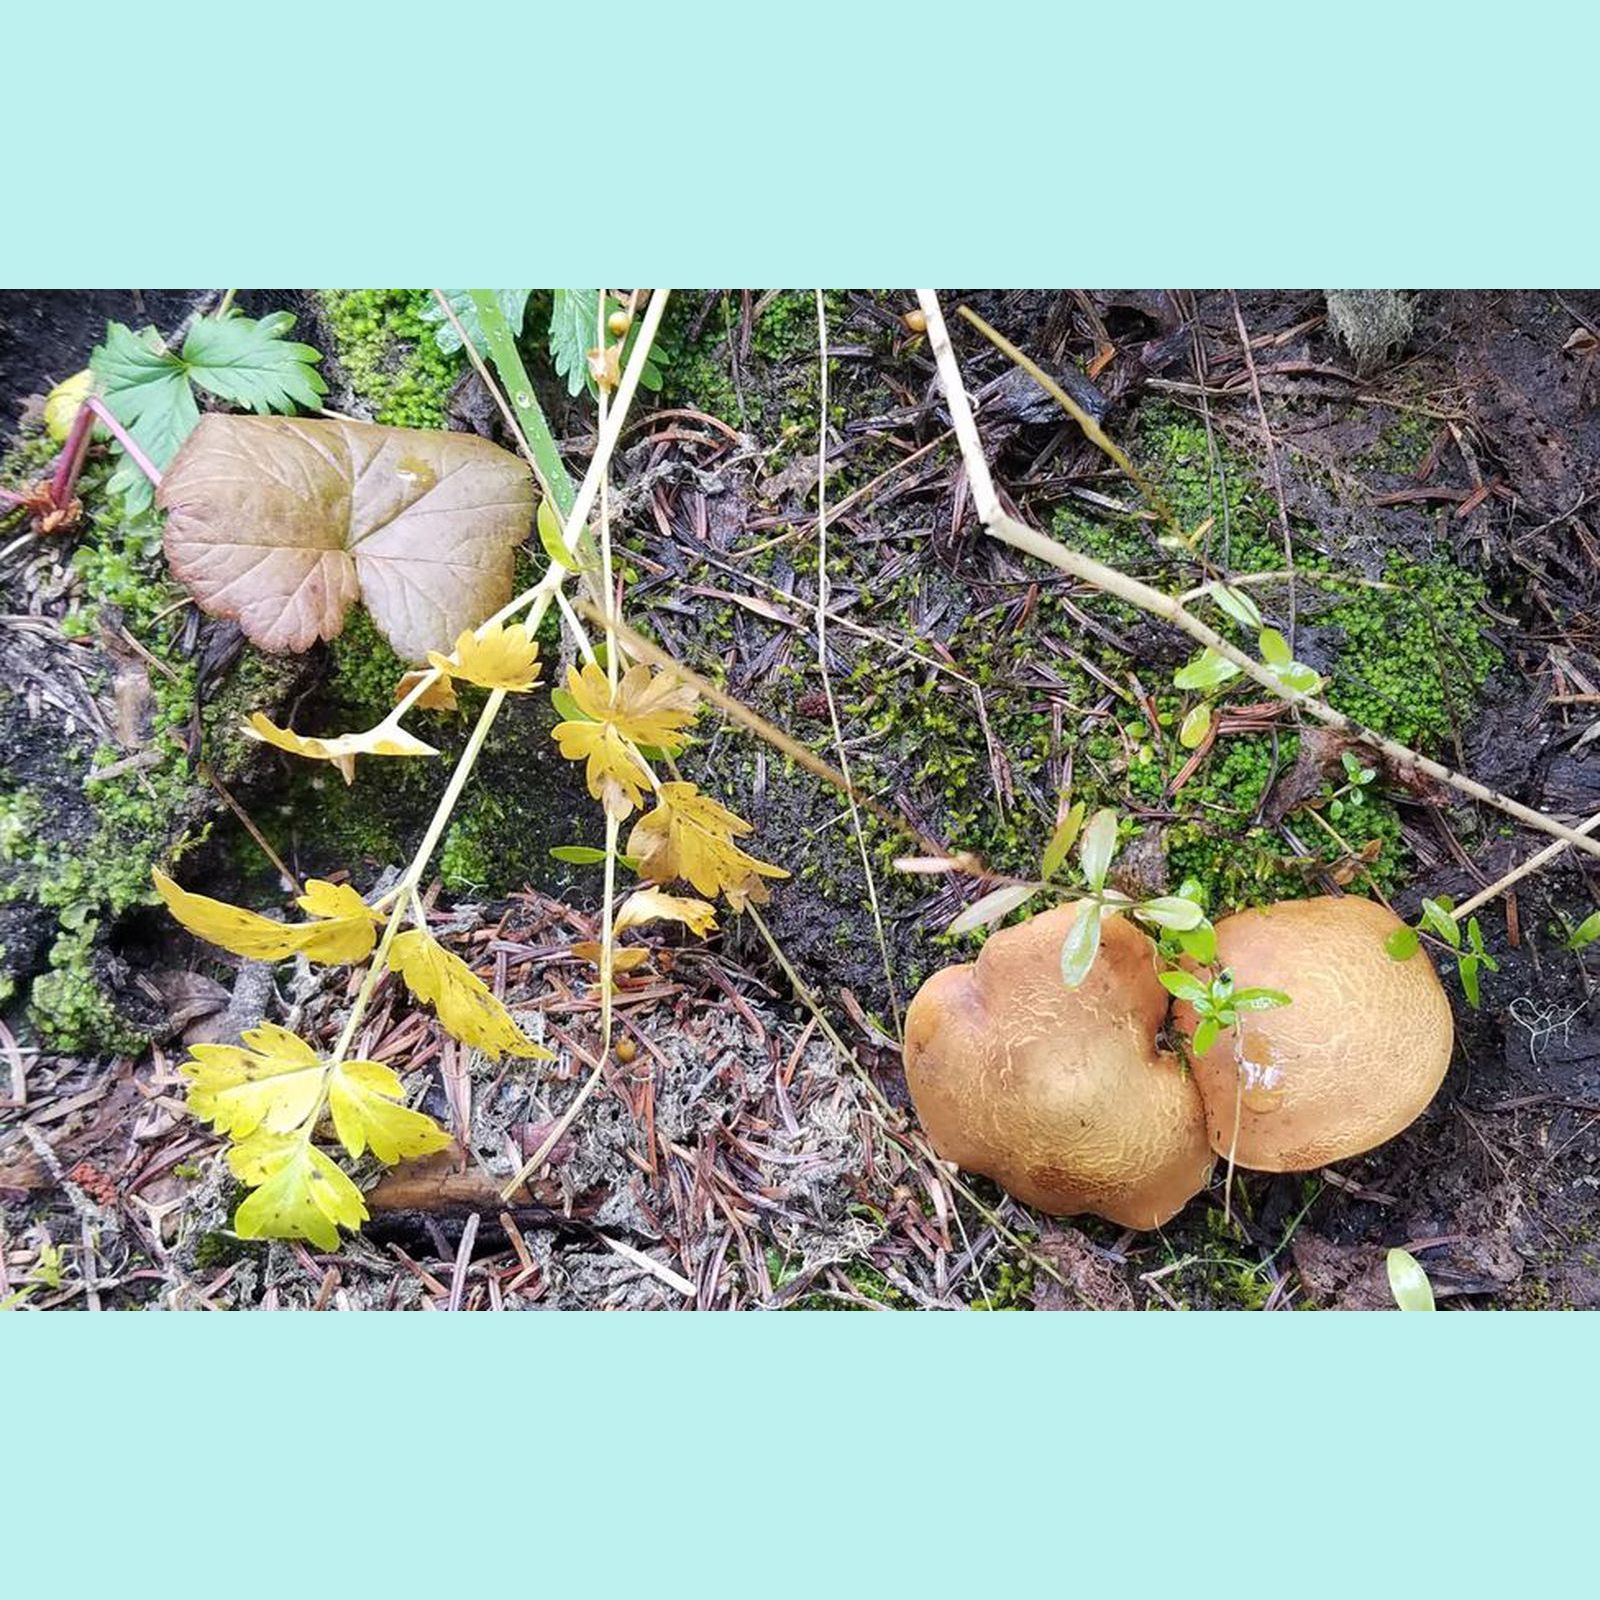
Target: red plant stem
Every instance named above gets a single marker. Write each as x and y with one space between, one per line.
12 499
125 439
70 462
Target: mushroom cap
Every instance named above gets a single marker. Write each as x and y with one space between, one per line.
1354 1057
1060 1095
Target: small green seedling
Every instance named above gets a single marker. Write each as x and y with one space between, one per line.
1408 1283
1350 795
1439 918
1586 932
1217 1003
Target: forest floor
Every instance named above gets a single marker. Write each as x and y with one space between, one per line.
1441 516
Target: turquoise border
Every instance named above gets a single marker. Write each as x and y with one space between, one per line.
1376 141
802 1453
1247 143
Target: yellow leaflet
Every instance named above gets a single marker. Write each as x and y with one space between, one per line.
621 960
438 696
499 658
272 1082
62 404
656 905
689 835
614 775
344 931
648 708
301 1193
465 1005
361 1098
387 739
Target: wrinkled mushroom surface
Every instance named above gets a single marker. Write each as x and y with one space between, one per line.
1357 1054
1060 1095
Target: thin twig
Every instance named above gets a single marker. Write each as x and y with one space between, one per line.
822 657
1009 531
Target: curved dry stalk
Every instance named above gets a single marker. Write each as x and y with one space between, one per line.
822 657
1010 531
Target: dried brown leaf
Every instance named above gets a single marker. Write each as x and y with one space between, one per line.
282 521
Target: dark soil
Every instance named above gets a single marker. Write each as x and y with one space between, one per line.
736 1152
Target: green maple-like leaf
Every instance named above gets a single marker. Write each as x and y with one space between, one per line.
149 389
513 306
574 332
250 363
574 317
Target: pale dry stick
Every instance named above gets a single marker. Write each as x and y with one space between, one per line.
1272 460
822 656
613 602
886 1112
536 601
1517 874
1029 541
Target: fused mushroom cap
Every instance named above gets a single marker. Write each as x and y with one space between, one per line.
1357 1054
1060 1095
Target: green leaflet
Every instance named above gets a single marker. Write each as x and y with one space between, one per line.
513 305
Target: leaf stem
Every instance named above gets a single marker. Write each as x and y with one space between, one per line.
530 416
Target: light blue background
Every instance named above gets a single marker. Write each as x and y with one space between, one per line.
1250 144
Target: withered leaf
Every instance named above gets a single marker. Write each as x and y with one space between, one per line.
281 522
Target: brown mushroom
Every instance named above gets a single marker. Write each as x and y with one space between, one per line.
1060 1095
1352 1059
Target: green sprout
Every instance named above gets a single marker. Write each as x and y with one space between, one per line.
1439 918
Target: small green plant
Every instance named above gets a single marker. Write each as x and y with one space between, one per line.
1216 1002
1440 920
1408 1282
149 389
1209 671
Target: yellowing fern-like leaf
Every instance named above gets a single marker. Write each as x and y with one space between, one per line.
300 1193
499 658
614 775
438 696
689 835
273 1081
465 1006
650 708
387 739
362 1099
656 905
344 929
646 709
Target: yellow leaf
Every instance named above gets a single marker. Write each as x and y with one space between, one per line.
648 708
64 402
438 696
361 1098
301 1194
387 739
689 835
621 960
272 1082
604 366
465 1005
344 931
614 775
500 658
656 905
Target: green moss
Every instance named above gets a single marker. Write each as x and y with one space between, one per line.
389 356
69 1004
